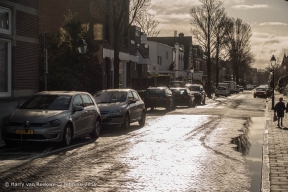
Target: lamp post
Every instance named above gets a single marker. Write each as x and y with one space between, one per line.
273 64
192 71
82 48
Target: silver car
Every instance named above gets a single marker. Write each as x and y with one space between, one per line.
120 107
54 116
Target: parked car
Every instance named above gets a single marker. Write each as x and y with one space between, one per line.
120 107
183 96
177 83
159 97
262 92
241 88
221 91
53 116
198 91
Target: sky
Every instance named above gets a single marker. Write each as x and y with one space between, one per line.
268 20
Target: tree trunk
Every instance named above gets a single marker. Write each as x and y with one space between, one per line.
116 68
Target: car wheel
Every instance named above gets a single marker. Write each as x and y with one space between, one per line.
67 136
199 101
126 123
96 131
190 104
10 143
143 119
168 107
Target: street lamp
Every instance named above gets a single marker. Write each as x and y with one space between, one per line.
82 48
273 64
192 71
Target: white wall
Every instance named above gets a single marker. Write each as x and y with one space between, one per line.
157 49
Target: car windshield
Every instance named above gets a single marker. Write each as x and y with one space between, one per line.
50 102
110 97
179 91
154 91
221 88
194 88
261 89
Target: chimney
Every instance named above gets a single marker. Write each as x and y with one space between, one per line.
181 34
175 33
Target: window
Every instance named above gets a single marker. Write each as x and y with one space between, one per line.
135 95
197 65
159 60
77 101
130 96
194 51
5 67
5 20
86 100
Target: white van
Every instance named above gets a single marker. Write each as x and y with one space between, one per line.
226 85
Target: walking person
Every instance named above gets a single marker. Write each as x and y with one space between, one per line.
279 109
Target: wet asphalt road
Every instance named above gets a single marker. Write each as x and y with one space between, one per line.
187 149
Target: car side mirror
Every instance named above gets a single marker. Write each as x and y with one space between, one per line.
78 108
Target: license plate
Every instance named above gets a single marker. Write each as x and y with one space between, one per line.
102 117
23 131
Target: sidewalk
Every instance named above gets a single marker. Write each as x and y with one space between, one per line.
275 151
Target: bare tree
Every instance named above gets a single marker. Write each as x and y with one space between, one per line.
147 23
120 14
219 40
239 45
204 20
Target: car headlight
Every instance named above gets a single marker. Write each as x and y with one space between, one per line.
6 121
52 123
117 112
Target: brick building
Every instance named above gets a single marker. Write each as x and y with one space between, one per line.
19 58
18 48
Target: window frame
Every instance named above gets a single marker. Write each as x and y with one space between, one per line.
9 68
7 31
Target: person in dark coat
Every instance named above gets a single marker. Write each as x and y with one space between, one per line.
279 109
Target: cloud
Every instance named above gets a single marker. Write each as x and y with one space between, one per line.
175 6
234 1
174 18
245 7
264 45
271 23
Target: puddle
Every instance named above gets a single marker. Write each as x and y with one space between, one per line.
250 144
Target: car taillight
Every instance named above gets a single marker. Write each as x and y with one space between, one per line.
185 97
165 98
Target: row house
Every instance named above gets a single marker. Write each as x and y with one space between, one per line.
183 61
19 52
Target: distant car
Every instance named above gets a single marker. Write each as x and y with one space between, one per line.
159 97
53 116
177 83
241 88
183 96
120 107
262 92
198 91
221 91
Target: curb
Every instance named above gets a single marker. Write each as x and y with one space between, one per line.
265 181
